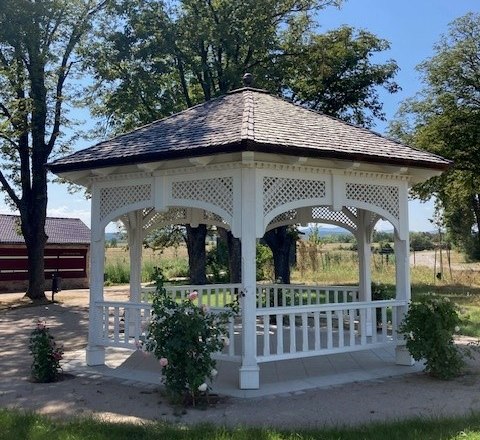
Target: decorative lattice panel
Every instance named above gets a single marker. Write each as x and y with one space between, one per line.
285 216
386 197
114 198
324 213
278 190
172 216
217 191
211 216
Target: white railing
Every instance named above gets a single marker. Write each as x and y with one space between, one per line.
287 295
303 321
212 295
124 323
310 330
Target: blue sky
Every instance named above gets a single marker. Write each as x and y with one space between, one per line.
411 26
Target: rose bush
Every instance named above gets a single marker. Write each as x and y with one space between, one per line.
429 328
46 354
183 337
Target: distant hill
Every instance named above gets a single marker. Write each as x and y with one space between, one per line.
324 232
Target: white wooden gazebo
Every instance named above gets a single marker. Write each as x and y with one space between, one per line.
250 162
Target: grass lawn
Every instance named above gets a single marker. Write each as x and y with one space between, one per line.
15 426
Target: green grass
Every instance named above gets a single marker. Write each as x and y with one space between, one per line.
15 425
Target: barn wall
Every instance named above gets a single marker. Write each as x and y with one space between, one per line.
71 262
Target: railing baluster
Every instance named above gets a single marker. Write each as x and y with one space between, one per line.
126 322
330 330
266 335
351 316
374 325
116 323
341 339
279 334
363 327
316 324
293 341
231 336
384 324
305 332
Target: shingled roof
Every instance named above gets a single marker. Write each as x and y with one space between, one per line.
59 230
247 120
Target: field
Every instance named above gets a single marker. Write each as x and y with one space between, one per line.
335 264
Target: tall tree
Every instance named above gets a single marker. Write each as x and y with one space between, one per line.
157 60
445 119
37 54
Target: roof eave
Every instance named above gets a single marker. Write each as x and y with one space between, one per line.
246 145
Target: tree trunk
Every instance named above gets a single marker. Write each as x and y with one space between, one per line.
33 230
280 241
234 248
197 256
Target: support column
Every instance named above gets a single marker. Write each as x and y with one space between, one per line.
135 244
403 292
95 353
364 265
249 374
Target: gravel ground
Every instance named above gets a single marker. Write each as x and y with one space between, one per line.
413 395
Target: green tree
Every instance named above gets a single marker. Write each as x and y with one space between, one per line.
150 61
37 54
445 119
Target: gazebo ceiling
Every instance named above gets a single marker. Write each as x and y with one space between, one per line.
248 119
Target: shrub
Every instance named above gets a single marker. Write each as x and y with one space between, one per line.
428 328
46 354
183 337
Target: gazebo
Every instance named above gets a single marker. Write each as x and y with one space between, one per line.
249 162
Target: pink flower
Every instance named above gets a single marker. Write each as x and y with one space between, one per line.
40 325
57 356
163 362
192 296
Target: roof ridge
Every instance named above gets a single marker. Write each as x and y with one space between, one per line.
248 117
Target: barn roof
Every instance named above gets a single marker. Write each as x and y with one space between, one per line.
248 120
59 230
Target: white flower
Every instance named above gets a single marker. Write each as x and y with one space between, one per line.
457 329
226 341
203 387
214 372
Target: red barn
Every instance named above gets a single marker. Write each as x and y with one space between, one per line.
66 253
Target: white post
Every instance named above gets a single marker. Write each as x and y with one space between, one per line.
403 292
402 272
135 242
364 265
95 353
249 374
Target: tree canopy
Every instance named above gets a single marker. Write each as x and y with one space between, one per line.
38 41
445 119
151 60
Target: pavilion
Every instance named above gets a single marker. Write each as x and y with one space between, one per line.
249 162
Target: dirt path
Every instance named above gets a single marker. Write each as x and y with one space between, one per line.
393 398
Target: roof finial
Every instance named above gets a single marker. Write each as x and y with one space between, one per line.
247 79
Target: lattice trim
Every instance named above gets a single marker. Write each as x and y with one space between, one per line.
325 213
216 191
114 198
278 191
386 197
172 216
211 216
285 216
